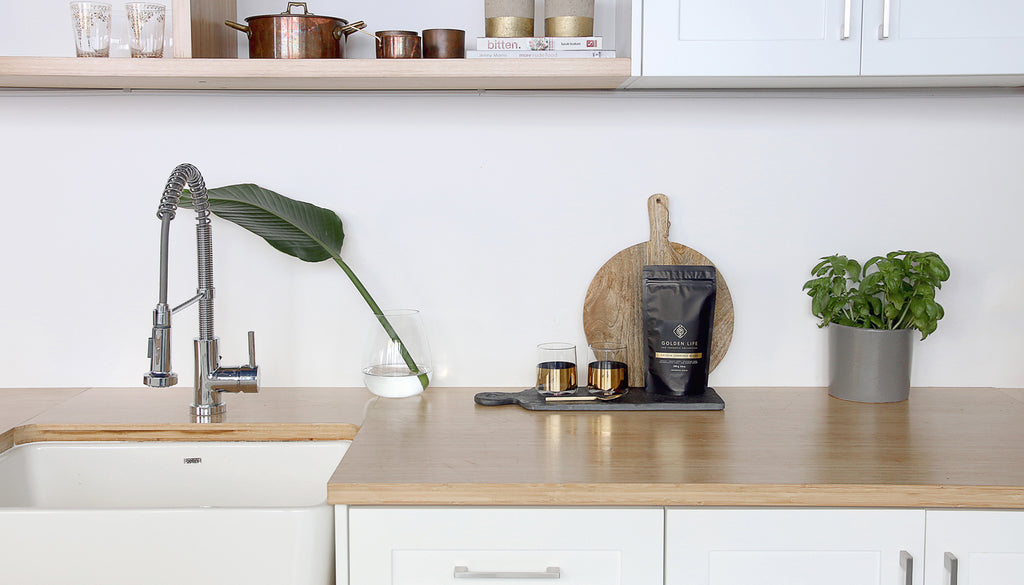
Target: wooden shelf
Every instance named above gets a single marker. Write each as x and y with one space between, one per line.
308 74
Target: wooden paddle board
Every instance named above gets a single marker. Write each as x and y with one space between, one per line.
613 306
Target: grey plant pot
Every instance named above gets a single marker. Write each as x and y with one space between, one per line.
869 365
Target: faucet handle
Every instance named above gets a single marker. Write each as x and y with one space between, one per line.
247 377
252 349
239 379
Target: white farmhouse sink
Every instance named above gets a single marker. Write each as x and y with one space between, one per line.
168 512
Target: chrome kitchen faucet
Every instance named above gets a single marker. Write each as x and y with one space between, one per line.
210 377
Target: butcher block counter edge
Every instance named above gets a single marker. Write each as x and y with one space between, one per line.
657 494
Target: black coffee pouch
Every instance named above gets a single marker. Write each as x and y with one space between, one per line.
678 311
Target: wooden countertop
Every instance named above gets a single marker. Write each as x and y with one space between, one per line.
769 447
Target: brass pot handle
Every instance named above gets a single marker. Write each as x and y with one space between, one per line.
357 26
291 4
241 27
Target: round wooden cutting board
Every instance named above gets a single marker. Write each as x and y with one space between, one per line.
613 307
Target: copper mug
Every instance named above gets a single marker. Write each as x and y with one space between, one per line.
444 43
398 44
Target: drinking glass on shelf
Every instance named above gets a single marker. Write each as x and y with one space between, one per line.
146 28
90 22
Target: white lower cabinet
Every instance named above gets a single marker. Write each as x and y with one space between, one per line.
466 545
974 548
679 546
708 546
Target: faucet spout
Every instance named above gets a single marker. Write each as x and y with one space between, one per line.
210 377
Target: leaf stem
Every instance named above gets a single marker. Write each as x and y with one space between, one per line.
897 322
383 320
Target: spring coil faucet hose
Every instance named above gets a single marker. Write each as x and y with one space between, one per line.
210 377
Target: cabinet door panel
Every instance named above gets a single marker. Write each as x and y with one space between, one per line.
750 37
944 37
794 567
995 568
791 546
740 20
988 547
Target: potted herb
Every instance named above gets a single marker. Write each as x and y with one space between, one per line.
871 312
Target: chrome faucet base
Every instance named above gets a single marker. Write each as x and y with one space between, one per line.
208 412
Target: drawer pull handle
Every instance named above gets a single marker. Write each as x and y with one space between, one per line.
952 565
907 562
549 573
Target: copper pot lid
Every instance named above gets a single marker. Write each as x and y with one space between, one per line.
305 14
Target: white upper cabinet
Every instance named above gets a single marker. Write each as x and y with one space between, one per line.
751 37
798 43
943 37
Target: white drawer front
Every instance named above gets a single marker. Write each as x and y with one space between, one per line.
564 567
423 546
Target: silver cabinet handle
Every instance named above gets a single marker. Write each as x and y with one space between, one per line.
845 34
883 29
952 565
549 573
907 562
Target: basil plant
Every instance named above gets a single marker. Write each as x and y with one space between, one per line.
895 291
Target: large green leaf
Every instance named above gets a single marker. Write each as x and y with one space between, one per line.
297 228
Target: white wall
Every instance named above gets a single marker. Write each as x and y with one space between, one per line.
458 203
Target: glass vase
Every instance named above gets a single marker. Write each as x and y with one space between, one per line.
397 362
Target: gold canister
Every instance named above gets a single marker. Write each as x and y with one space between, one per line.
508 26
568 26
569 18
509 18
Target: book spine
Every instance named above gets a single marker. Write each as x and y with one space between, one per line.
539 44
604 54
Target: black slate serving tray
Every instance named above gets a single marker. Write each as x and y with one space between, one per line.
635 399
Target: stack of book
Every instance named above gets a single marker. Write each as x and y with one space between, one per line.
539 48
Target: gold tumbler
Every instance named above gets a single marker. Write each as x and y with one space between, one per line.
607 372
556 369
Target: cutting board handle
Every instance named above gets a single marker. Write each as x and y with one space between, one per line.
659 250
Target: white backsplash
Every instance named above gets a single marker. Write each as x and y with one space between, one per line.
458 204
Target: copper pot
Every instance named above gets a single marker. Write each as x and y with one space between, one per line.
296 36
398 44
